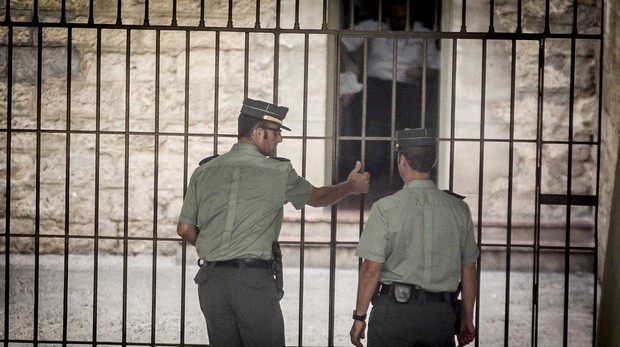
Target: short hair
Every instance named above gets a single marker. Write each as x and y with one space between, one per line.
421 159
246 124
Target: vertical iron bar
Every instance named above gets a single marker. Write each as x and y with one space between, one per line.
35 11
201 23
37 199
278 14
481 171
216 92
464 16
452 115
303 174
519 29
537 213
146 13
155 185
491 16
364 101
392 113
65 292
230 14
276 66
569 190
7 15
174 13
332 282
547 12
119 12
246 64
324 25
296 24
185 173
513 71
96 212
575 30
127 163
257 21
63 12
91 9
7 220
424 83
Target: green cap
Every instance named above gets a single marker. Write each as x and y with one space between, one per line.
265 111
418 137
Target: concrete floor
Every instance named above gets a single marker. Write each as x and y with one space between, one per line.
166 303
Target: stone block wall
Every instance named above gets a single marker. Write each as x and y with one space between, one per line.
128 109
154 100
495 88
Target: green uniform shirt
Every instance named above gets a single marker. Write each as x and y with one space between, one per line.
422 236
237 200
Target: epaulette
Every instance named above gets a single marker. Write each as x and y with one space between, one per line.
207 159
454 194
385 195
280 159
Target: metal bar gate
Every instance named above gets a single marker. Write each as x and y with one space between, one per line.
89 114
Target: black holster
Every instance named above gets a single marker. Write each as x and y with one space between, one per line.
457 305
276 267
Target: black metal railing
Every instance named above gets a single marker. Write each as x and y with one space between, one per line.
19 16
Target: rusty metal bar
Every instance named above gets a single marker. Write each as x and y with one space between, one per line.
537 213
65 291
37 199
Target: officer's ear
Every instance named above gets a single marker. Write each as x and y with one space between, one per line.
402 161
256 133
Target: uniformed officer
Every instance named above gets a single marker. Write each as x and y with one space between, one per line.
417 244
232 213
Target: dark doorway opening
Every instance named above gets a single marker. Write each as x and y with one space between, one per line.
383 78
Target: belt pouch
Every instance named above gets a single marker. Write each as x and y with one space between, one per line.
402 292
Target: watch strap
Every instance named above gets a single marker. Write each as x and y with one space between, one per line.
358 317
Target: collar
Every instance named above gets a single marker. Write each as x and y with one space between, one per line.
247 148
420 184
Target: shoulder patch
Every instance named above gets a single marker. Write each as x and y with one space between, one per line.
279 159
207 159
454 194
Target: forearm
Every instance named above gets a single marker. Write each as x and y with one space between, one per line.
329 195
370 273
470 288
188 232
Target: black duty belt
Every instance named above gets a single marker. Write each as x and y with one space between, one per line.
237 263
420 295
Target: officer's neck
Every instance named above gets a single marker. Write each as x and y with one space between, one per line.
413 175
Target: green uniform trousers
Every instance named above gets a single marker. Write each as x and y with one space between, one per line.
241 306
412 324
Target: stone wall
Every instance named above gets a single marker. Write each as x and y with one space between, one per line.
112 142
495 127
101 166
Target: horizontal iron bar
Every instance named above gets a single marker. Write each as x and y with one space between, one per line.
419 34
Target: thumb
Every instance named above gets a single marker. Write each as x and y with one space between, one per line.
358 167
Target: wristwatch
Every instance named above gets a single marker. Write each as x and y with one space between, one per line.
360 318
